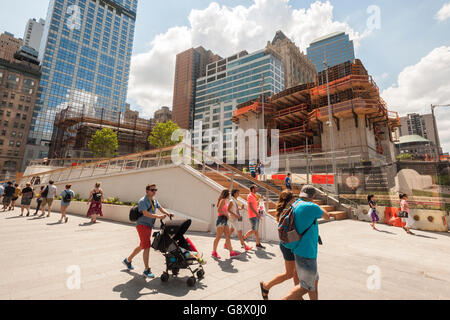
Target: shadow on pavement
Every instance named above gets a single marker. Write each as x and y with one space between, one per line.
227 265
54 224
88 224
176 287
261 254
422 236
16 217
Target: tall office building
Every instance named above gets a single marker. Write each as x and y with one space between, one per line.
9 45
85 56
190 65
230 82
33 33
19 81
335 48
298 68
421 125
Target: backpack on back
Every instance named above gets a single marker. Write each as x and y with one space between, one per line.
286 227
135 214
67 198
44 193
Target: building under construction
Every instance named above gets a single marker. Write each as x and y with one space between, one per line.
362 123
73 129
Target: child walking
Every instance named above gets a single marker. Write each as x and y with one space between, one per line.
373 211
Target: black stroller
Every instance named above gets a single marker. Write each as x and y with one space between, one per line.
169 242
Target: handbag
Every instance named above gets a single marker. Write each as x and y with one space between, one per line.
402 214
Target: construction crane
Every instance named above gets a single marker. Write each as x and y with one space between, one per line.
433 107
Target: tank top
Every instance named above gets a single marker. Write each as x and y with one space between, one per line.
224 209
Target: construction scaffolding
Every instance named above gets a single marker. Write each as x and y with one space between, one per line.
73 129
301 112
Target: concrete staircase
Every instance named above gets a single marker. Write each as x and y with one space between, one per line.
331 210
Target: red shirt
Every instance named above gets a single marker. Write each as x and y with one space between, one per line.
252 202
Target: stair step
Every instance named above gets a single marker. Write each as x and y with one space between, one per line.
319 202
328 208
338 215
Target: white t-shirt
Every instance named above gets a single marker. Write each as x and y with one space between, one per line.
234 209
51 192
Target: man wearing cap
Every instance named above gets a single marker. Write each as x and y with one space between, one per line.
306 215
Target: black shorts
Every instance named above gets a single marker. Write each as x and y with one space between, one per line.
222 221
287 253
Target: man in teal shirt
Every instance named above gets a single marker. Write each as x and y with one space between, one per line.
306 215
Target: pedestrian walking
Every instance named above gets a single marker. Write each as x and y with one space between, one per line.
306 213
373 211
39 201
222 225
235 221
17 194
285 201
288 181
2 191
67 197
95 203
144 225
406 216
252 168
27 196
254 216
8 195
48 195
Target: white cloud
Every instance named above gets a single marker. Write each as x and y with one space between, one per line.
444 13
420 85
225 31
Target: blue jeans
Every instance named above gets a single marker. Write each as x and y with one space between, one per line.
307 272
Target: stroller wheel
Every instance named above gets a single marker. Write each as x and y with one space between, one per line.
200 274
175 272
191 282
165 277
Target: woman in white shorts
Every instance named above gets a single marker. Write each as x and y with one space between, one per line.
235 221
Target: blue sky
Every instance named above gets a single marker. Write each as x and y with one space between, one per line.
408 29
405 55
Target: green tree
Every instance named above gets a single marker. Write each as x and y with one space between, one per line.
104 143
404 156
161 136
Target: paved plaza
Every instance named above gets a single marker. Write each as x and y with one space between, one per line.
39 259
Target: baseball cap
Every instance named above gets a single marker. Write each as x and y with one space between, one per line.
307 192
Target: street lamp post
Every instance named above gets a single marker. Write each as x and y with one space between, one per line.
331 126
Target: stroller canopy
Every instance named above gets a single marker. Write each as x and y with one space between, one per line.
177 227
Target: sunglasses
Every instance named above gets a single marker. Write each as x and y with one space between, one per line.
153 190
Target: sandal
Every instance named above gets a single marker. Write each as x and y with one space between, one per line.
264 292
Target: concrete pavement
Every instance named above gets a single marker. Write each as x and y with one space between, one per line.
40 259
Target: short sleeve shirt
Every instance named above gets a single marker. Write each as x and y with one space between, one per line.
304 216
2 190
252 202
63 194
9 191
51 192
288 182
404 205
145 204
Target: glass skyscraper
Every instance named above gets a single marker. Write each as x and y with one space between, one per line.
85 56
230 82
335 48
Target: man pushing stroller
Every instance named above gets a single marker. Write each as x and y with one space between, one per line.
144 225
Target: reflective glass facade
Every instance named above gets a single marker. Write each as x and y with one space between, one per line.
335 49
85 57
230 82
